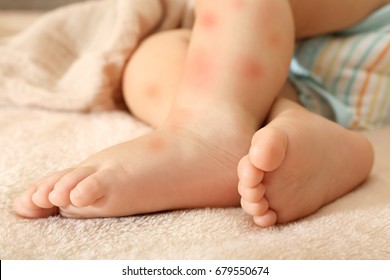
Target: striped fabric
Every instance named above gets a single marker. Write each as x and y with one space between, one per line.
346 76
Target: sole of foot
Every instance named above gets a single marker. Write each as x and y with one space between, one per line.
298 163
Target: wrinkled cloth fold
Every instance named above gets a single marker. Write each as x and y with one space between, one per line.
72 59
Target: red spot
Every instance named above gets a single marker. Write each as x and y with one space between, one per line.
152 91
155 145
274 40
200 70
238 4
250 70
208 20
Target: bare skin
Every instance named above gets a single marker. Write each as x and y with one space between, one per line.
299 157
205 122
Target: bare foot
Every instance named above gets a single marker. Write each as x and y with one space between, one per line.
170 168
298 163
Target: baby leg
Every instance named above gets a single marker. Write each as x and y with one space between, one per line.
152 76
118 181
190 160
294 163
189 169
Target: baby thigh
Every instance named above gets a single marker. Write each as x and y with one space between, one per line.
153 73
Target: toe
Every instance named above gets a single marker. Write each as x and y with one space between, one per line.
43 188
268 219
90 189
255 209
60 196
251 194
268 149
249 175
25 207
41 199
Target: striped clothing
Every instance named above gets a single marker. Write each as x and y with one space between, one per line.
346 76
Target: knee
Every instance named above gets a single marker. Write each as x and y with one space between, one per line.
153 74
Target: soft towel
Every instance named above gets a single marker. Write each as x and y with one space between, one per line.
72 58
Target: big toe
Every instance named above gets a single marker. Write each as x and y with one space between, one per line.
268 148
91 189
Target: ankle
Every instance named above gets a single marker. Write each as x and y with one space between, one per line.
218 134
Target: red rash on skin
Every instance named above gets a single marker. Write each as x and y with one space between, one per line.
250 70
152 91
208 20
266 19
155 145
238 4
200 70
274 40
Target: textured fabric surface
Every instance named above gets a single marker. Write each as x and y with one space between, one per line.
36 139
72 58
35 142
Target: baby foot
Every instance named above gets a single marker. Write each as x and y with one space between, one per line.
298 163
170 168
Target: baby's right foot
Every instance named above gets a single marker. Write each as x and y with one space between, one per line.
298 163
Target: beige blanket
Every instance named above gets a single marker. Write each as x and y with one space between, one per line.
59 80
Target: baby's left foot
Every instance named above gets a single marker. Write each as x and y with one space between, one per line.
173 167
298 163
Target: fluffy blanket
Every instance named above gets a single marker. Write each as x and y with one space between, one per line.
59 88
